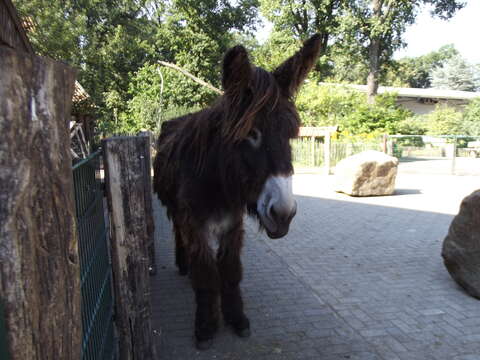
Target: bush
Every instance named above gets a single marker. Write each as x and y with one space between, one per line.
326 105
444 120
414 125
149 103
471 118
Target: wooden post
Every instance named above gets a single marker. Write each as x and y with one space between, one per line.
147 173
312 151
125 183
384 143
39 264
326 152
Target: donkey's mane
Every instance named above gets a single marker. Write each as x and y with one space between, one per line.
242 107
227 122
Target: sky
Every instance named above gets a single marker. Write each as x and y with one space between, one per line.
429 34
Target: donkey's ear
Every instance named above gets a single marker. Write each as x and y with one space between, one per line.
237 70
291 74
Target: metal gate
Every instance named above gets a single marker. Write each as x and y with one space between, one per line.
436 154
98 341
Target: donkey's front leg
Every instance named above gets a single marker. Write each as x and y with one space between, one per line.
181 256
205 283
230 272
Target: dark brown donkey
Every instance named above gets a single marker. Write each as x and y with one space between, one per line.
214 165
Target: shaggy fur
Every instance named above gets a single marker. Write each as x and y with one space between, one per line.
211 167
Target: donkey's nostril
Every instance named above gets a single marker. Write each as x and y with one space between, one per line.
272 214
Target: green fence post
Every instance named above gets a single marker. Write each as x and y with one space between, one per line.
3 336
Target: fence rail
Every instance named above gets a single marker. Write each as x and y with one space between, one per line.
311 153
96 275
447 154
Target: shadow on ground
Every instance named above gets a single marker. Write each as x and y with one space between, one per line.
350 281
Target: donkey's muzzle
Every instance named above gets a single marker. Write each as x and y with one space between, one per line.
276 206
281 217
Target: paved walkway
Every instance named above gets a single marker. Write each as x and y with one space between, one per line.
356 278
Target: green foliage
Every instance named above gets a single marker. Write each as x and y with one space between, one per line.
323 105
456 74
415 72
279 46
111 41
382 116
471 118
444 120
414 125
156 91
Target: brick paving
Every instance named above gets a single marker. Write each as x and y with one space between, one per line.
356 278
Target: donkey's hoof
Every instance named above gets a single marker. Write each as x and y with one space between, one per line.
243 333
204 344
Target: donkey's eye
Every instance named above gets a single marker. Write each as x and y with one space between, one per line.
254 138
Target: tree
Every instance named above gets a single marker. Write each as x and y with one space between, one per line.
296 20
471 118
105 40
415 71
110 41
455 74
378 26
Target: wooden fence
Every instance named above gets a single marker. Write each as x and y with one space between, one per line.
127 180
47 290
39 264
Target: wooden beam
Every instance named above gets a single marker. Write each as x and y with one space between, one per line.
192 77
39 264
125 183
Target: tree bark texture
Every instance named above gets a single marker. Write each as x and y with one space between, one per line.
147 173
374 56
126 185
39 264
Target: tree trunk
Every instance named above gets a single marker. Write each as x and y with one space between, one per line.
374 54
39 265
126 185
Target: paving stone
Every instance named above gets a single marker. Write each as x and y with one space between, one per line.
354 279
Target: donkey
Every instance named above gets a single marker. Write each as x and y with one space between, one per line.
215 165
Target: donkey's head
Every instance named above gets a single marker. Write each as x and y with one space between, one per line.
260 120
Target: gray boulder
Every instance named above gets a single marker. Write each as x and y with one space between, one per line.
461 247
369 173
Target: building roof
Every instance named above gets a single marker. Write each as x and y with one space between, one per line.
79 93
430 93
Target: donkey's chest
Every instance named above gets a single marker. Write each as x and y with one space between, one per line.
216 229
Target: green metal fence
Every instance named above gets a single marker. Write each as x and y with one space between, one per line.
96 276
308 153
3 336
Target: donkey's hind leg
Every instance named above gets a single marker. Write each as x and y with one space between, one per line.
181 255
230 272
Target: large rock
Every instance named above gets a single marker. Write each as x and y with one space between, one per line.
369 173
461 247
